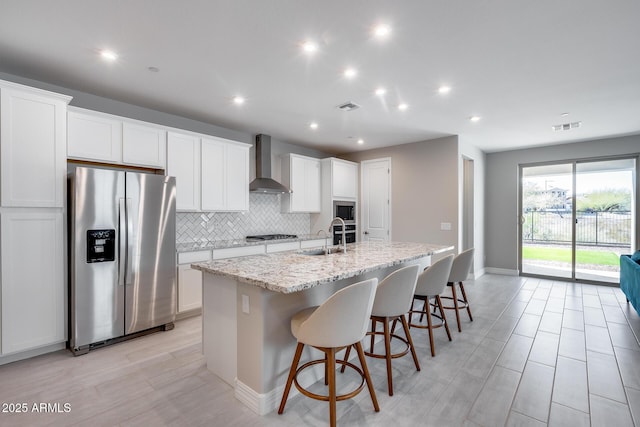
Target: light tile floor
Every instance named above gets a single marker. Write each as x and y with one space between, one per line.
539 352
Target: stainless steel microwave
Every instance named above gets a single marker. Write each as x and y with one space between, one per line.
345 210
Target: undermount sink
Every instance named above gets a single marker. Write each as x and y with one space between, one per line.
322 251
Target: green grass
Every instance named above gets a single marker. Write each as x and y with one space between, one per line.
564 255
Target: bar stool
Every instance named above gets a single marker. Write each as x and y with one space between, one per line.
340 322
459 272
393 300
431 283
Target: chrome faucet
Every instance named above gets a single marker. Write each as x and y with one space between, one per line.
344 229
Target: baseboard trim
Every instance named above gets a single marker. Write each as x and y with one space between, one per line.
478 274
502 271
31 353
260 403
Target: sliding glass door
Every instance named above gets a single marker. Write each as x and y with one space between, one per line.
577 218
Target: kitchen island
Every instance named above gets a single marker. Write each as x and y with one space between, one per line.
248 303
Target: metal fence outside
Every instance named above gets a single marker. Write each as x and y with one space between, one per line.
598 228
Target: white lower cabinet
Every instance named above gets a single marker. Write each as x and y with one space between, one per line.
189 288
33 285
190 280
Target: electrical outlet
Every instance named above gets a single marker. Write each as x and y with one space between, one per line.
245 304
446 226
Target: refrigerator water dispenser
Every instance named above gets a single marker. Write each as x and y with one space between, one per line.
101 245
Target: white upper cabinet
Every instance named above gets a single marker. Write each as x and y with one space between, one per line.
32 146
183 162
143 145
344 179
302 175
112 139
225 175
94 137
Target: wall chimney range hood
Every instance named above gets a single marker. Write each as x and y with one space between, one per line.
263 182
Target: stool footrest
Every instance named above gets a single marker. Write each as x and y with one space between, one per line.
324 397
392 355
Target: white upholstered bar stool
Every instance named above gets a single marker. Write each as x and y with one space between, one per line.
340 322
431 283
393 300
459 273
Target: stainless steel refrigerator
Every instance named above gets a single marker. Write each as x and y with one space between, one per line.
122 255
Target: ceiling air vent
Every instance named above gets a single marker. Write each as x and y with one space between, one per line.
348 106
566 126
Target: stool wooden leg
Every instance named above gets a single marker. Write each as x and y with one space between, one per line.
455 305
387 353
326 370
424 309
464 296
367 377
331 367
346 358
430 327
408 335
444 317
373 334
292 373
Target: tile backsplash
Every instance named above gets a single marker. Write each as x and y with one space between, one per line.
263 217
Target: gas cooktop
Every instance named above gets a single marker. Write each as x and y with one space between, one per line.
262 237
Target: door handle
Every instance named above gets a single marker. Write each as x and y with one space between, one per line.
122 238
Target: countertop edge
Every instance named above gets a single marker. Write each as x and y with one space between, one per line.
312 283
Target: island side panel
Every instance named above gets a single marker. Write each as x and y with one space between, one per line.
219 326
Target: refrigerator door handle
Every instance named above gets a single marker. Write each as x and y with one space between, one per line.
122 238
129 257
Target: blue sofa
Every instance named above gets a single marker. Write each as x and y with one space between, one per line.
630 280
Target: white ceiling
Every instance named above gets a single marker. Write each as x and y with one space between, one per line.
517 64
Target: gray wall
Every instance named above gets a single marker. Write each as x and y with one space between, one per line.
501 198
424 186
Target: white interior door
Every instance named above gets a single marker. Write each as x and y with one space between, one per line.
376 200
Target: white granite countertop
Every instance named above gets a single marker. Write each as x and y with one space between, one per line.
293 271
223 244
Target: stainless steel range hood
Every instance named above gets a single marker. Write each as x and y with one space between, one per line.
263 182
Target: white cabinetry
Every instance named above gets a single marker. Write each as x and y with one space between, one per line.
94 136
344 178
339 182
33 288
302 175
106 138
33 134
143 145
183 162
32 147
190 280
225 175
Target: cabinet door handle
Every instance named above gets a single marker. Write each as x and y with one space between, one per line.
366 232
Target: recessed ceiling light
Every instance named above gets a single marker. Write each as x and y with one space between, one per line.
238 100
444 89
564 114
474 118
402 106
108 55
153 69
380 91
313 125
381 31
350 73
309 47
360 141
